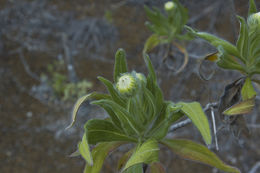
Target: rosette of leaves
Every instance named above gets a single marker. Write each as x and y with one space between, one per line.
243 57
141 117
167 28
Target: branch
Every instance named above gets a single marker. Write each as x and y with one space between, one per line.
255 167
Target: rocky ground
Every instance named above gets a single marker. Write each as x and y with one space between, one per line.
86 34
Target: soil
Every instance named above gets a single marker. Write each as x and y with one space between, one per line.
33 138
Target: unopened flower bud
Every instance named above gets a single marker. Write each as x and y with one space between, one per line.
127 85
253 21
141 77
168 6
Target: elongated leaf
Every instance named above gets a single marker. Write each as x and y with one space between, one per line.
120 63
124 159
114 94
160 127
228 61
149 65
138 168
194 111
99 153
84 150
157 168
104 131
127 121
151 43
243 107
248 90
94 95
196 152
145 153
216 41
242 42
252 7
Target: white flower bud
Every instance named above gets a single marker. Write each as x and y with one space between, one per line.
127 85
168 6
253 20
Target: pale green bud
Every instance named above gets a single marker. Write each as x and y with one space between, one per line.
127 85
168 6
253 21
141 77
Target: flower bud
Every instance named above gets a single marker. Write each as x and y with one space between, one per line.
253 21
141 77
127 85
168 6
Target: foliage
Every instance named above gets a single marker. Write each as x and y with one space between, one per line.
167 28
243 57
143 118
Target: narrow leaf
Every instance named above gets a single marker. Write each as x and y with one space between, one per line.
127 121
114 94
196 152
151 43
99 153
194 111
84 150
243 107
228 61
138 168
248 90
120 63
77 105
150 67
124 159
145 153
242 42
216 41
104 131
252 7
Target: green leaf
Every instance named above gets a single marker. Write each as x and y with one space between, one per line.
99 153
157 168
84 150
248 90
151 43
196 152
138 168
127 121
104 131
147 153
149 65
254 50
161 126
124 159
242 42
252 7
194 111
114 94
94 95
216 41
120 63
243 107
228 61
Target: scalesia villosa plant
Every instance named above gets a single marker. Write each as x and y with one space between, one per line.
243 57
138 114
168 29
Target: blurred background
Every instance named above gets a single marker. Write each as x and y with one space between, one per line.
51 52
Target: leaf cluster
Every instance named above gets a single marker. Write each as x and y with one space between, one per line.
144 120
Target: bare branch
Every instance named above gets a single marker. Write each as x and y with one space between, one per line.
255 167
